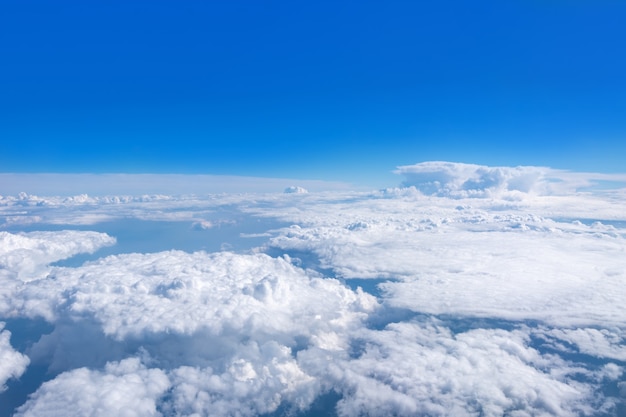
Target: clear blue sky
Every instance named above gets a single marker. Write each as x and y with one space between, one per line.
315 89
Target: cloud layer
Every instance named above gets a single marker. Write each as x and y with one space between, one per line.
417 300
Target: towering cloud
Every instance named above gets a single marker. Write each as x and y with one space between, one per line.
468 180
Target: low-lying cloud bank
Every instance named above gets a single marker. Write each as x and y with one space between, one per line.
415 301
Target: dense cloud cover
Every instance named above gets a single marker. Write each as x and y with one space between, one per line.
419 300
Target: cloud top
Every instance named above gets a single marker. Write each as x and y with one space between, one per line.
459 180
469 180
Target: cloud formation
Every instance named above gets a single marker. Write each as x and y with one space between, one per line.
12 363
414 368
469 180
125 388
508 304
454 260
221 325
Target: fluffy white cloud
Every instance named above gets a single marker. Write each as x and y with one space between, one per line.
295 190
247 334
125 389
257 380
25 256
416 368
175 291
224 326
12 363
469 180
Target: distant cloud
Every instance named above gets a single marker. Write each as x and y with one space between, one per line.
468 180
147 184
295 190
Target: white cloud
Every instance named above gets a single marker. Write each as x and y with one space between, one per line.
602 343
414 368
178 292
223 324
469 180
295 190
12 363
470 257
255 381
24 254
25 257
247 333
564 278
125 389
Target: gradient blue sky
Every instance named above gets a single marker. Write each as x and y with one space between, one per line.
319 89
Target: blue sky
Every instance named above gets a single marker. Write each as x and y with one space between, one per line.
331 90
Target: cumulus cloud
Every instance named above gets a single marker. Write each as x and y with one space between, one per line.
470 180
224 326
135 294
416 368
25 255
295 190
125 388
12 363
489 305
255 381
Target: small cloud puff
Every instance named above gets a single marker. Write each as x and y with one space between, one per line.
295 190
202 225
